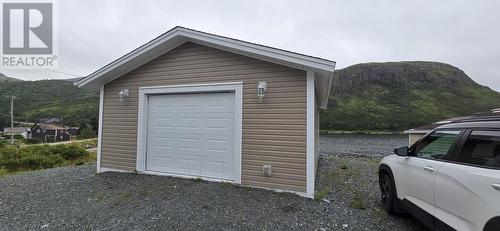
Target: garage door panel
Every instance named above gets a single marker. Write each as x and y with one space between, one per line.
191 134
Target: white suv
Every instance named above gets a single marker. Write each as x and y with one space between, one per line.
449 179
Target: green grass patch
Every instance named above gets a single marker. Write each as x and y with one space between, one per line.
320 195
15 158
357 202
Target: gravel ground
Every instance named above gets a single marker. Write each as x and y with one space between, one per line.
359 144
76 198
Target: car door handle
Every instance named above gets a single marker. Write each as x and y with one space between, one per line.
429 168
496 186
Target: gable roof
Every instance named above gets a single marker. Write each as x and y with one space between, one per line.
48 126
322 68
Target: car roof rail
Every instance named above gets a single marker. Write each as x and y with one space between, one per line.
479 119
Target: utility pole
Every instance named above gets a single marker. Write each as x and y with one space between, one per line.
12 119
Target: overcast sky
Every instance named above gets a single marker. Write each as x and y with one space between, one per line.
463 33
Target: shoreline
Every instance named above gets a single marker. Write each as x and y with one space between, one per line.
334 132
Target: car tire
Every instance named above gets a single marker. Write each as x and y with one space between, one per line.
388 193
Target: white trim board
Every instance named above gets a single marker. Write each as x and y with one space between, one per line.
145 92
99 131
310 155
173 38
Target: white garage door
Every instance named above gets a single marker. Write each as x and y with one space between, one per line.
191 134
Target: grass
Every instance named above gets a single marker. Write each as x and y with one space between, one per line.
320 195
344 165
357 202
3 172
15 158
346 179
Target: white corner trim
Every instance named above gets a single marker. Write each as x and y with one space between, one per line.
145 92
311 100
99 130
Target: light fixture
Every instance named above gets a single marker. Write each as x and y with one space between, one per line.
123 94
261 90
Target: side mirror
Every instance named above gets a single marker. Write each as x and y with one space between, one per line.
402 151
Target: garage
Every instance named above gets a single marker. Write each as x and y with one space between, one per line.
198 105
191 135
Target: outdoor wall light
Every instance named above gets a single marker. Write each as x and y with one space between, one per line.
123 94
261 90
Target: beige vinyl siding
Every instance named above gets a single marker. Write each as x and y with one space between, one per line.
274 131
412 138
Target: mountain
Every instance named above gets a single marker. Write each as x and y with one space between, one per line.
47 99
395 96
7 78
390 96
73 79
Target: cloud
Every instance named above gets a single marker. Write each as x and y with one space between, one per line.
93 33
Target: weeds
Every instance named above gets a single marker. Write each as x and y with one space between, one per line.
357 203
14 158
320 195
3 172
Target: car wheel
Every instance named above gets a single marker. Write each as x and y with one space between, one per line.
387 193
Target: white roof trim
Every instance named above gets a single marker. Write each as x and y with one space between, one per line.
323 68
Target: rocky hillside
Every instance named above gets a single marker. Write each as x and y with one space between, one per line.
395 96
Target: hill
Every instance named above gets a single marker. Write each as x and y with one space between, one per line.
395 96
390 96
49 98
7 78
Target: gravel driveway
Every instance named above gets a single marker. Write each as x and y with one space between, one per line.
362 144
76 198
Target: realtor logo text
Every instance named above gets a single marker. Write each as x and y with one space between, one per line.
28 36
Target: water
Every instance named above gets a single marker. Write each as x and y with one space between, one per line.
361 144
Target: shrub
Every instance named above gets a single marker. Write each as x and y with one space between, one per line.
87 133
89 144
32 141
68 152
3 172
15 158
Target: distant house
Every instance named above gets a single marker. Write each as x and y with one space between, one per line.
415 134
49 133
73 130
16 131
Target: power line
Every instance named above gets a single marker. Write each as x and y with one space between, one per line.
64 73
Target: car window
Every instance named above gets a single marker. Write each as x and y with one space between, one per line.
436 145
482 148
